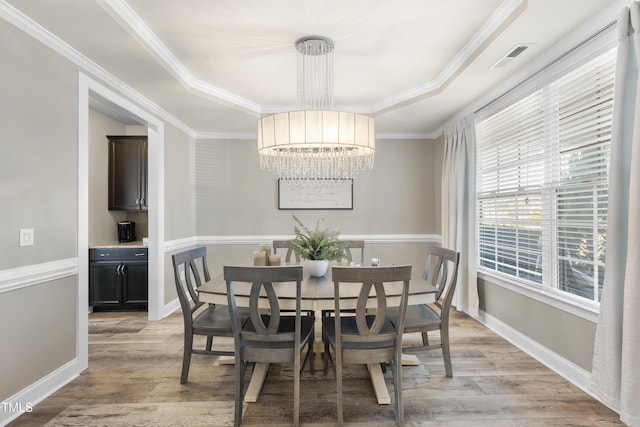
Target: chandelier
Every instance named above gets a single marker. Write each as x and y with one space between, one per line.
315 142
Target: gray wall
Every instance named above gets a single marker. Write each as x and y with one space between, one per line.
180 185
37 332
235 197
180 197
563 333
38 164
398 196
38 189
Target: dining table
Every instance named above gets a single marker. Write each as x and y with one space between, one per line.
317 295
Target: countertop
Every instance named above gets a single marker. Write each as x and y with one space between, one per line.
135 244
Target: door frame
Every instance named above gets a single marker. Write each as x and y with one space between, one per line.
88 89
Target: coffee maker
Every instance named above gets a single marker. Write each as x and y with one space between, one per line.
126 231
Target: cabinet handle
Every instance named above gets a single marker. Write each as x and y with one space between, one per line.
122 267
139 254
103 255
142 202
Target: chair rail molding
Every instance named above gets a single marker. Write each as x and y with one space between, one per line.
368 238
34 274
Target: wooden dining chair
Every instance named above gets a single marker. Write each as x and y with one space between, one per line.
442 273
270 338
351 245
289 246
368 337
190 272
348 254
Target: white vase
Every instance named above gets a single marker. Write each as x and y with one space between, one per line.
316 268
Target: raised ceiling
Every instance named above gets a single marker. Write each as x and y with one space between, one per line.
216 66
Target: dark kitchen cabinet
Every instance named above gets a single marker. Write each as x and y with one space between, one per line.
118 279
127 173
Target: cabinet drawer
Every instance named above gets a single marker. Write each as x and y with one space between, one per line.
119 254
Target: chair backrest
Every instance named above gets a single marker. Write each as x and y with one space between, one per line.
378 285
354 244
188 278
262 342
442 273
288 245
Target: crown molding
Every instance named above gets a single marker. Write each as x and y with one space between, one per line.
226 135
35 30
127 17
586 31
407 135
507 11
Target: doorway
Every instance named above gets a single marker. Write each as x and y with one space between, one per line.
93 94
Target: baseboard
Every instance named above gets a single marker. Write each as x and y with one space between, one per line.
169 308
563 367
25 400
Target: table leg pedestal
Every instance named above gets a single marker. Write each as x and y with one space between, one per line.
375 373
409 360
379 385
257 379
227 360
377 378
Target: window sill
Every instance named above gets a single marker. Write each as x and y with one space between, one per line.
574 305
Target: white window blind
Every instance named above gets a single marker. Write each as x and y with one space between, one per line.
542 182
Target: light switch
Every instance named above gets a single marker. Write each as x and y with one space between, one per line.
26 237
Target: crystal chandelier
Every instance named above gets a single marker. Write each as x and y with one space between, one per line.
315 142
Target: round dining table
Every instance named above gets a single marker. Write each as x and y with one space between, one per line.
317 295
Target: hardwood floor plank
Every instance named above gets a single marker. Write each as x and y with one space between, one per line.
134 371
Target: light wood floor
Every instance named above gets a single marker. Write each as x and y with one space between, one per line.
134 370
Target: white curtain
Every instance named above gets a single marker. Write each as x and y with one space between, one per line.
458 208
615 377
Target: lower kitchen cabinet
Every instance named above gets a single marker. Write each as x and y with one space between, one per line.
118 279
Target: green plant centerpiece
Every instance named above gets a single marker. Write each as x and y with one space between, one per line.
320 244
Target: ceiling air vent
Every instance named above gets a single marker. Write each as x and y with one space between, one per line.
510 56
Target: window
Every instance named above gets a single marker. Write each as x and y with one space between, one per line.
542 183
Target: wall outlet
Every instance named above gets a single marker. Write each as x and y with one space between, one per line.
26 237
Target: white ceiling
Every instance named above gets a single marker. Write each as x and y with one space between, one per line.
412 64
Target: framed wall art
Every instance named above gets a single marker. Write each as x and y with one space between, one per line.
316 194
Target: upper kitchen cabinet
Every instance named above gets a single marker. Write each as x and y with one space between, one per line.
127 173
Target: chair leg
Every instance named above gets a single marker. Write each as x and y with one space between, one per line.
425 339
338 365
311 351
311 354
397 385
326 357
186 357
237 413
296 392
446 354
209 343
